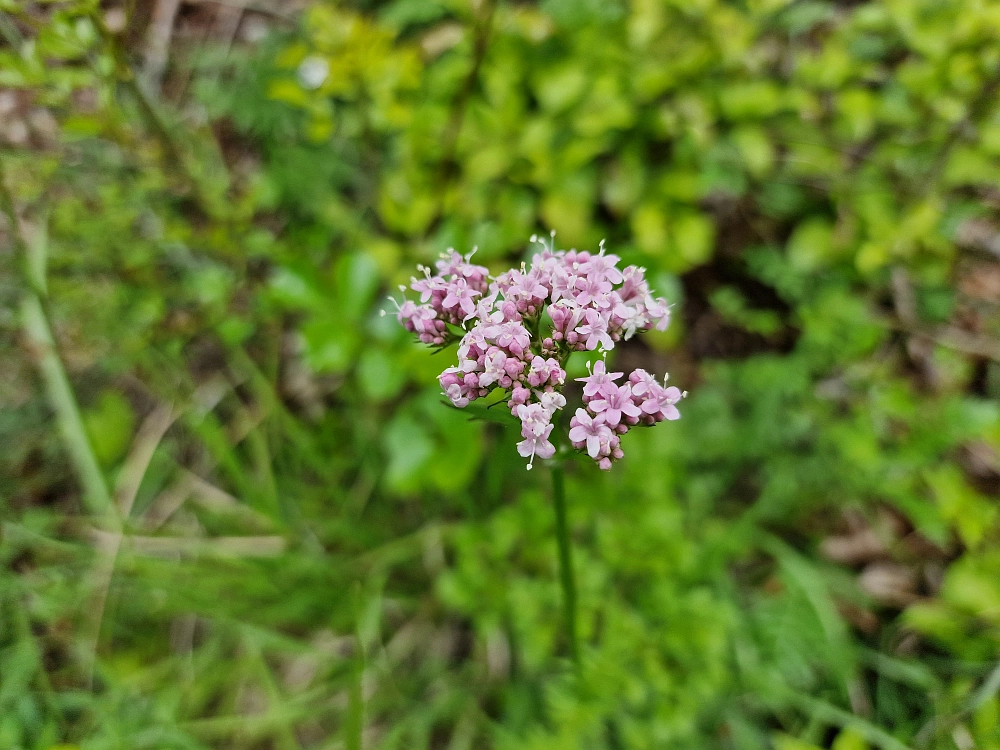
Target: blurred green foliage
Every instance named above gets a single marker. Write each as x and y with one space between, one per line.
316 552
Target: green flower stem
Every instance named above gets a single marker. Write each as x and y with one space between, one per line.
565 561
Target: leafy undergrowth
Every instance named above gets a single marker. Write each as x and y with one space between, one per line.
265 529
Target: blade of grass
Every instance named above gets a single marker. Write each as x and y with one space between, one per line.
38 335
354 721
151 432
940 724
284 736
830 714
153 428
41 343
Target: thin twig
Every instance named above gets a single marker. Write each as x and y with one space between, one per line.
108 544
168 502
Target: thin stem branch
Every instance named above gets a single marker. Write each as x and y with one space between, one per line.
566 577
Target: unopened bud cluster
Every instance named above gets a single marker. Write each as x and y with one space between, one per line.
516 331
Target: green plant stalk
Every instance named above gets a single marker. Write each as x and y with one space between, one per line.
39 336
41 343
354 720
566 577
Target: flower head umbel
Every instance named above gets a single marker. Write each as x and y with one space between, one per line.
507 341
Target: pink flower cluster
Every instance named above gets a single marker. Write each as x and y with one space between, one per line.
507 342
446 297
611 409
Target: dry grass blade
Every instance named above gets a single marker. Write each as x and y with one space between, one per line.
174 546
223 546
153 428
212 498
168 502
151 432
148 438
205 494
108 544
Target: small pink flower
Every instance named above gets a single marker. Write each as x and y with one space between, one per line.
513 337
602 267
594 331
657 311
590 290
597 378
494 368
564 318
642 383
538 445
449 377
551 401
526 286
461 295
615 401
519 395
563 285
592 432
456 394
634 288
534 419
660 403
